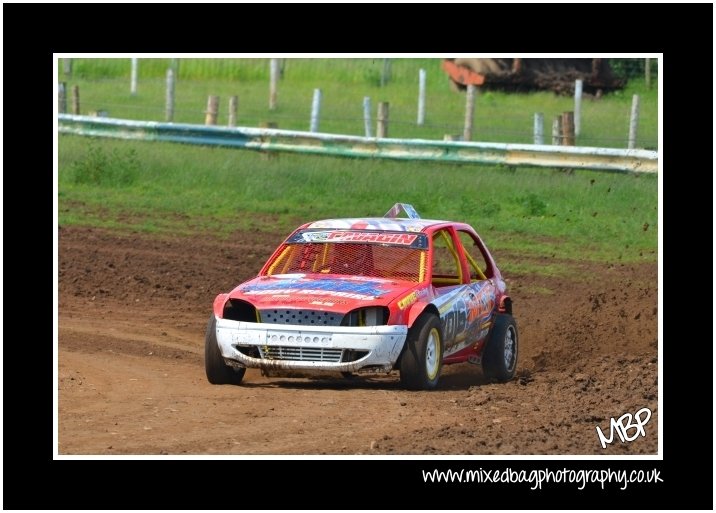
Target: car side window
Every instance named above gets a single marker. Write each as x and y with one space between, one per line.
446 269
479 270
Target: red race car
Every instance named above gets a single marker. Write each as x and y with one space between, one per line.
384 293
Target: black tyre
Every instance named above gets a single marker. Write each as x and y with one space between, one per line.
217 372
499 360
422 357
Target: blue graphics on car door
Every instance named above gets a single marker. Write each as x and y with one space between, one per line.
466 314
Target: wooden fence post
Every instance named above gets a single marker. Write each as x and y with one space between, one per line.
76 100
568 128
539 128
315 110
385 74
273 84
67 67
469 112
366 116
382 128
169 102
647 72
421 97
633 122
62 98
133 79
212 110
233 109
268 155
557 131
577 107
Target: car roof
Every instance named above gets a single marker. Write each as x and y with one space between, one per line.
376 223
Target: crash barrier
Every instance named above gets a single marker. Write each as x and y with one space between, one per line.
275 140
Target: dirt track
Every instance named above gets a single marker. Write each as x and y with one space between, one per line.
132 315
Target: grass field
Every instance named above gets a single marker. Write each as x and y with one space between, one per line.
170 188
184 189
499 117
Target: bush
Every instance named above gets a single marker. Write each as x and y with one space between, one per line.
533 205
116 169
632 68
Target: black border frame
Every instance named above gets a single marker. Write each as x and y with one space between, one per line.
33 480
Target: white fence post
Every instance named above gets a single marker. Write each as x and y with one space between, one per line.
273 85
315 110
469 112
577 107
633 122
647 72
366 116
539 128
169 104
385 74
133 80
421 97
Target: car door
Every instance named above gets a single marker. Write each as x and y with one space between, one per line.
463 294
481 297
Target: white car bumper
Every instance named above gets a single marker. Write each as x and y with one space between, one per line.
338 348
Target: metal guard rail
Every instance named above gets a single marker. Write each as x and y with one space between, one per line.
263 139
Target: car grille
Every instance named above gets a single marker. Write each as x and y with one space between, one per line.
306 317
302 354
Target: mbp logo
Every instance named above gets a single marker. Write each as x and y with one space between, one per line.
622 426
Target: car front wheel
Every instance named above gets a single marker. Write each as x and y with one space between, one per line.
217 372
422 357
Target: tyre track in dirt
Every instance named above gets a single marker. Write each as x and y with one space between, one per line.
132 315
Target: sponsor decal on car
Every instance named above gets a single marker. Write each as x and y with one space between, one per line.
315 236
415 240
354 289
403 239
408 300
310 292
466 313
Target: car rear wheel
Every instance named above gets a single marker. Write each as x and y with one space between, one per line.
499 361
422 357
217 372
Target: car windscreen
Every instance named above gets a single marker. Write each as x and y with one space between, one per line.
376 260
